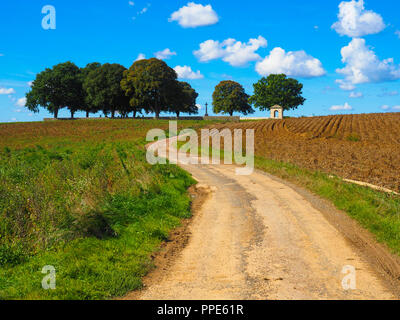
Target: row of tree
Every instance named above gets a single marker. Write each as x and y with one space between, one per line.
149 86
276 89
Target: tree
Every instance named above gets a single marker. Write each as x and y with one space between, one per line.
277 89
104 91
150 84
55 89
230 97
85 103
184 99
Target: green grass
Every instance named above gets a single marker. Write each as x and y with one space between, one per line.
353 138
89 205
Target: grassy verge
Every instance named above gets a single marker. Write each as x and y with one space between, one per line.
87 203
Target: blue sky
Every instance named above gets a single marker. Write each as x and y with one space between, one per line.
305 39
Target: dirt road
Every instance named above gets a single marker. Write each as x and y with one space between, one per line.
256 237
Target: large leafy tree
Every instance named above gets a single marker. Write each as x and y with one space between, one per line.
103 89
184 99
277 89
150 84
56 88
230 97
86 103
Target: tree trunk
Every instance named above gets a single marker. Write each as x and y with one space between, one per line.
134 114
177 114
157 114
87 114
72 114
113 114
56 113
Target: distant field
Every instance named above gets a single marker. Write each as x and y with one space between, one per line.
360 147
80 196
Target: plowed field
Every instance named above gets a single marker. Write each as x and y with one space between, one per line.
361 147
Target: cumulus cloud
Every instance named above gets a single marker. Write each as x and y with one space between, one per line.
165 54
236 53
345 107
355 94
363 66
354 21
7 91
21 102
194 15
141 56
186 72
292 63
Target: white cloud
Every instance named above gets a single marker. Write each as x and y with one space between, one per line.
363 66
387 108
292 63
21 102
143 11
131 3
346 107
7 91
355 21
345 85
397 33
195 15
236 53
355 94
198 106
1 55
186 72
30 83
141 56
165 54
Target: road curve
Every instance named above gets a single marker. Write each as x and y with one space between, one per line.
255 237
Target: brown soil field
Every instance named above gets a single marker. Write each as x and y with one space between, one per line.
363 147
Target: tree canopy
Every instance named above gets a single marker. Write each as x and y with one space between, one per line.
150 84
230 97
56 88
184 99
86 104
103 89
277 89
